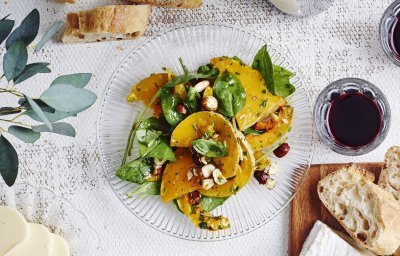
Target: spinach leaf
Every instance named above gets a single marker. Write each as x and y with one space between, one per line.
282 85
230 94
160 150
204 69
148 188
263 63
148 131
210 148
252 131
135 171
210 203
190 76
169 103
191 100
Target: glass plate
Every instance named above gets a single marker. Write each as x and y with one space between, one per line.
41 206
254 205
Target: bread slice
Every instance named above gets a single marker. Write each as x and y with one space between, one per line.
69 1
172 3
113 22
367 212
389 179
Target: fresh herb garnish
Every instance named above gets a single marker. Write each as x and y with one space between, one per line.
210 148
135 171
151 188
252 131
230 94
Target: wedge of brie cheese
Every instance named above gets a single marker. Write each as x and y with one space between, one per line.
13 228
324 241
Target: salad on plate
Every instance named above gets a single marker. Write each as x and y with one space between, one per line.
211 131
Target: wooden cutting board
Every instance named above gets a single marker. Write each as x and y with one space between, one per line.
307 208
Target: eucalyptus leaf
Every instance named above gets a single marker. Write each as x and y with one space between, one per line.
52 117
5 17
31 70
151 188
39 112
9 161
27 31
229 92
15 60
79 80
6 27
59 128
45 108
210 148
210 203
263 63
25 134
49 34
67 98
135 171
9 111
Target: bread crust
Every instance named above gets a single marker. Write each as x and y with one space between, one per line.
172 3
391 172
113 22
388 213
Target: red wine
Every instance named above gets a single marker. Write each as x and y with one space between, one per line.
395 37
354 120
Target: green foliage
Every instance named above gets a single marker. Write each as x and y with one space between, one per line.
151 188
169 103
210 203
210 148
135 171
64 98
191 100
50 33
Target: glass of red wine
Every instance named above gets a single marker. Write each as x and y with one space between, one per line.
390 32
352 116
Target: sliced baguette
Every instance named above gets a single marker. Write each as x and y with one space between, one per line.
389 179
172 3
368 213
113 22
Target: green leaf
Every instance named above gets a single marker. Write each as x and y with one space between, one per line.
79 80
135 171
282 85
210 203
229 92
210 148
67 98
147 188
52 117
169 104
5 17
204 69
39 112
9 161
31 70
252 131
15 60
191 100
262 62
46 108
59 128
160 150
6 27
8 111
25 134
27 31
49 34
190 76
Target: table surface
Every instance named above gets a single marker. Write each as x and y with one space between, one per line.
341 42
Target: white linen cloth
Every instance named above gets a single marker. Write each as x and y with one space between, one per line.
340 42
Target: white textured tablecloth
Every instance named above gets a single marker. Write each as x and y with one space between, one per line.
341 42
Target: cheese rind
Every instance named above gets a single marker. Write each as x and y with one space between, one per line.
13 228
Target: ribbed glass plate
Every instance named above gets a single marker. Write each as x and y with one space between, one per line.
254 205
41 206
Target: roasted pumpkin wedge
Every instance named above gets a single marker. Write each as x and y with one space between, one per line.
147 88
201 218
243 176
196 125
174 182
259 102
259 142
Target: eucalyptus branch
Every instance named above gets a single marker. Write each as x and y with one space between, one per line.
12 91
15 122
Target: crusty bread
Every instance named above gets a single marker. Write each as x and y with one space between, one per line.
113 22
69 1
389 179
172 3
368 213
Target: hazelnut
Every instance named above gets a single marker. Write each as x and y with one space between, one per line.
181 108
218 177
201 86
207 184
194 197
271 183
210 103
261 177
207 170
282 150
